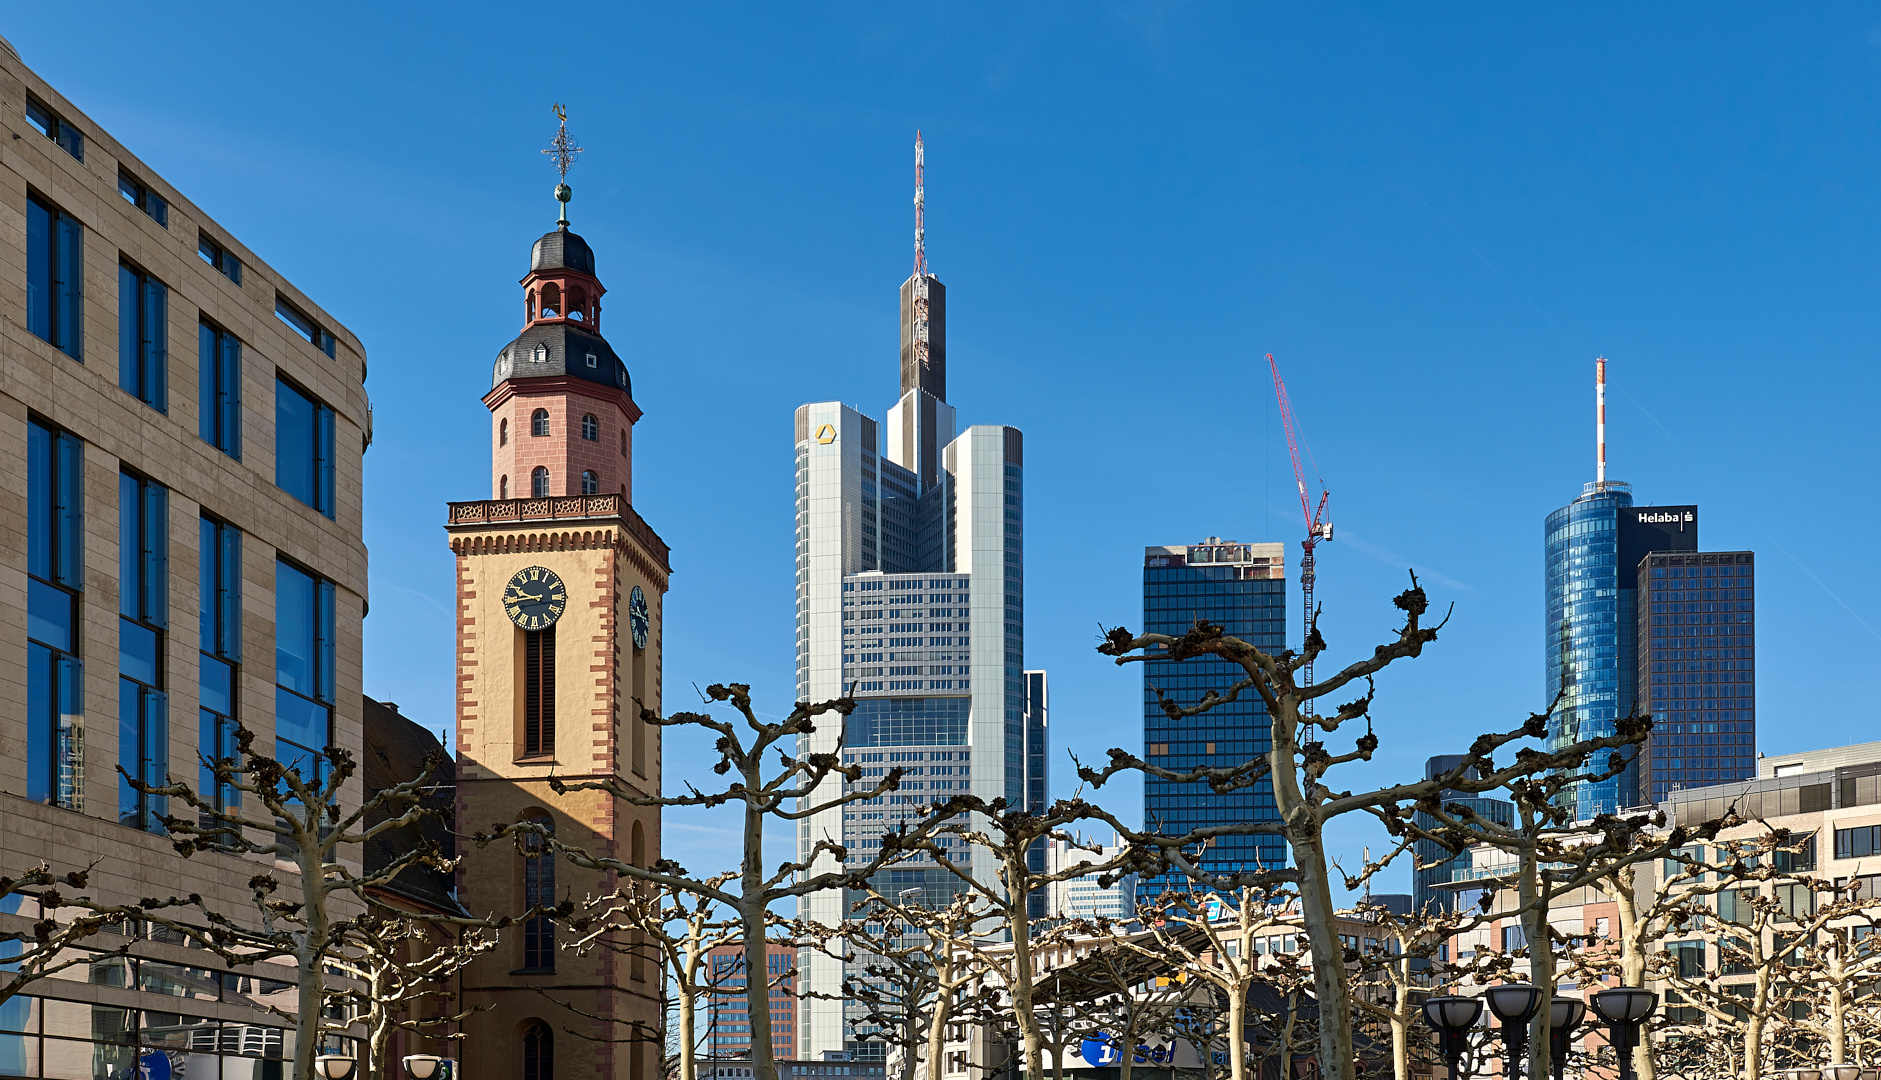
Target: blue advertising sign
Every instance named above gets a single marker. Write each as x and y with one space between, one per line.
1098 1051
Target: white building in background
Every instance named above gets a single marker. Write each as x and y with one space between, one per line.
910 597
1085 897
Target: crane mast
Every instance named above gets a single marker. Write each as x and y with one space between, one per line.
1317 527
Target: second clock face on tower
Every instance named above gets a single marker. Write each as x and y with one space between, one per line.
638 621
535 598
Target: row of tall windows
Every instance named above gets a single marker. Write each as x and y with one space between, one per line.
304 633
55 245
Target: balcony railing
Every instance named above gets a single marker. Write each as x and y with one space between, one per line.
569 508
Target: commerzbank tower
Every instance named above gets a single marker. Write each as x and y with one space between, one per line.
911 597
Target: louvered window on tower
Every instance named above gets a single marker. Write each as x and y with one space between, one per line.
539 692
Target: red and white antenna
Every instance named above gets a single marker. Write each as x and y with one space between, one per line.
920 208
1600 423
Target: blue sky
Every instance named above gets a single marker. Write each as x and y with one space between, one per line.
1435 218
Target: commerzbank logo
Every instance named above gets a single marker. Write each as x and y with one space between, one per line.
1665 518
826 434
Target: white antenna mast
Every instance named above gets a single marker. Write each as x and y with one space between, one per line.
1600 423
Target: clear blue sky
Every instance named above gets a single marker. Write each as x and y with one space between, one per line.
1435 220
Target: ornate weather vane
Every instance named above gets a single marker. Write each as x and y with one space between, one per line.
562 150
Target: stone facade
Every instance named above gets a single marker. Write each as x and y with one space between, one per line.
81 396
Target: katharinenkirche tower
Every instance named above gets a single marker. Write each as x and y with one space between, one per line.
560 586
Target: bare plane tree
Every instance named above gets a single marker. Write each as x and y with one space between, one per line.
1297 767
273 812
771 780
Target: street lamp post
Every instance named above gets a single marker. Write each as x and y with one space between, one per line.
1451 1017
335 1066
430 1067
1514 1004
1564 1015
1624 1008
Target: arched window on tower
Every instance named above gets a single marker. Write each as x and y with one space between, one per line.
538 1052
539 422
623 442
502 432
529 307
538 888
590 428
539 482
577 301
551 300
502 487
590 483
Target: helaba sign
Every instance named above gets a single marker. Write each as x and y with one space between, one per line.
1661 517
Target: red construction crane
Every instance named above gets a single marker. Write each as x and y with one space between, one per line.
1317 527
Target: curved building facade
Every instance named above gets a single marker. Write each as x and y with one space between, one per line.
1589 642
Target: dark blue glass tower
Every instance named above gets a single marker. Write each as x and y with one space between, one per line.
1698 669
1242 588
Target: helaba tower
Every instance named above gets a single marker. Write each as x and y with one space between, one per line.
1639 620
910 598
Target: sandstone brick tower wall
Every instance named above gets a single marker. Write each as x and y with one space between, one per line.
597 679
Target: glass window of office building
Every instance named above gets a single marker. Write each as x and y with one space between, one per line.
1242 588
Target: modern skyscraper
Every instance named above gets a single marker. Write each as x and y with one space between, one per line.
910 598
1242 588
1602 640
1698 669
560 587
1435 863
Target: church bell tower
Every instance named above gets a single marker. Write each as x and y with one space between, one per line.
560 591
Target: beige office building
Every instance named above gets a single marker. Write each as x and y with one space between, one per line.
181 440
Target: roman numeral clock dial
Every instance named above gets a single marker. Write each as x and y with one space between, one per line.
535 598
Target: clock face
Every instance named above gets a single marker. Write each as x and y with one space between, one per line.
637 618
535 598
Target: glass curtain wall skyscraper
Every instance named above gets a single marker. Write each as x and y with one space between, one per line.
1698 669
1242 588
911 598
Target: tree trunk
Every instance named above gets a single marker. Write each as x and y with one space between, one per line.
1322 931
1401 1017
1632 956
1540 935
1237 1024
1020 928
757 954
937 1027
1838 1006
688 1016
311 955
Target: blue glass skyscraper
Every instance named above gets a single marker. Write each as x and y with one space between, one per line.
1594 546
1242 588
1591 669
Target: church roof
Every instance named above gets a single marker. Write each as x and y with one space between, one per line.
561 349
562 250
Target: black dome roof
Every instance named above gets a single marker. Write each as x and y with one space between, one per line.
562 250
561 349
